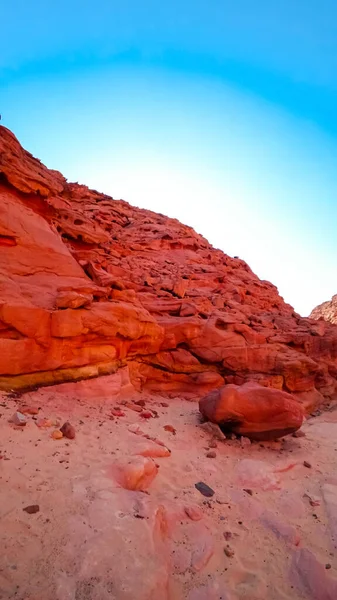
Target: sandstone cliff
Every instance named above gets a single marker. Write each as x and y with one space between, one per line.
326 311
89 283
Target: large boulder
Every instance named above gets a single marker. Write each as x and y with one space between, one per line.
254 411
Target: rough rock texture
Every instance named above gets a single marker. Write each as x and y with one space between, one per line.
326 311
252 410
88 284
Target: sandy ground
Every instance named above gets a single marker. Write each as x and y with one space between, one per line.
268 532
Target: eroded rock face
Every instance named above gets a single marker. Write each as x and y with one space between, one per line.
89 284
252 410
326 311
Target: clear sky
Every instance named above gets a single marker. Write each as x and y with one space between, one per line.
220 113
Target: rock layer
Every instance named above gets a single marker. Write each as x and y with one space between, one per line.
326 311
89 284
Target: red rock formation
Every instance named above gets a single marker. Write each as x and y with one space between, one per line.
257 412
89 284
326 311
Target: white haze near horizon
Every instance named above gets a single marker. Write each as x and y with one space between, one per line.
254 181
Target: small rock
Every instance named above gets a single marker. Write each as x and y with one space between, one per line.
18 419
164 404
136 429
117 412
328 566
154 451
227 535
57 434
157 441
248 491
298 434
170 428
31 509
213 429
244 441
213 444
229 551
146 414
194 513
134 407
211 454
307 464
136 473
313 500
68 430
204 489
29 410
43 422
140 402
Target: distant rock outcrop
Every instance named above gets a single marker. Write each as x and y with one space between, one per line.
89 284
326 311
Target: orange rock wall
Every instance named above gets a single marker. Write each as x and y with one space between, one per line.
89 284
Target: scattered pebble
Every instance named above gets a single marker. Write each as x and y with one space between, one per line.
328 566
146 414
227 535
313 500
213 429
68 430
43 422
170 428
229 551
194 513
117 412
29 410
213 444
18 419
211 454
298 434
204 489
248 491
136 429
134 407
164 404
31 509
307 464
57 434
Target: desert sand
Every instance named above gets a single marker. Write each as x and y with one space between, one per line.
269 531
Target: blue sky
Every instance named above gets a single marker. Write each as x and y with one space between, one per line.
222 114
